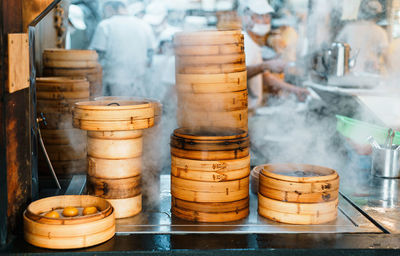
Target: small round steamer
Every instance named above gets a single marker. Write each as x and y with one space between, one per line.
71 232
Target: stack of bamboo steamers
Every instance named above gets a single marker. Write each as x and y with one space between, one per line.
211 79
210 161
74 63
298 193
65 145
115 149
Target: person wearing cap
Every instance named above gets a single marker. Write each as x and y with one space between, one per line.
367 40
125 45
256 20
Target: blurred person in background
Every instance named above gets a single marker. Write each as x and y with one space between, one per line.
256 20
75 37
137 9
366 38
125 45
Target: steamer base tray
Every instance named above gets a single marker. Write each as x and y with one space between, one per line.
159 220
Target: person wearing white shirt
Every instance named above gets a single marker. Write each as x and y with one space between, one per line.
256 20
125 45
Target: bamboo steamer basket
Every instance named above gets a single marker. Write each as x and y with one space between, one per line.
196 216
114 188
61 84
212 187
298 219
63 137
229 119
106 168
155 103
210 166
214 101
211 83
209 197
113 115
66 152
63 95
211 37
61 58
297 208
209 143
298 178
211 68
210 207
126 207
201 50
71 232
210 59
115 148
297 197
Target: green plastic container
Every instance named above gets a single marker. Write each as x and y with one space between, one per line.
359 131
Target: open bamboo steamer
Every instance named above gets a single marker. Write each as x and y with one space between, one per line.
113 115
68 232
209 143
214 101
211 83
210 37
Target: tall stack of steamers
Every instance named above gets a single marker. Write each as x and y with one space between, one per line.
71 76
210 161
115 149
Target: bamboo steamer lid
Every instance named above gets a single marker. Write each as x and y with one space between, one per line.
229 119
114 148
113 115
297 197
297 219
211 83
201 50
65 84
209 197
210 37
214 176
66 152
156 103
63 137
213 187
297 208
195 216
211 59
299 172
210 207
68 232
211 68
105 168
214 101
299 178
126 207
114 188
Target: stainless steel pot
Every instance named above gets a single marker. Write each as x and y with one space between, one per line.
386 158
